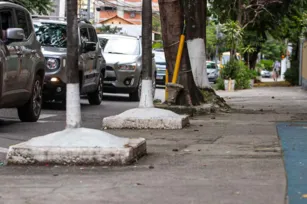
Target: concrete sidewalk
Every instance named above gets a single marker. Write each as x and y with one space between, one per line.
232 158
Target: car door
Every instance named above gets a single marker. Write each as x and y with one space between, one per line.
86 60
95 56
27 54
12 61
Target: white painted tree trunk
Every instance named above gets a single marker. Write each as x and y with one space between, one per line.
197 55
73 107
146 100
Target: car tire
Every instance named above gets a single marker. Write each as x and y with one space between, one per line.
30 111
95 98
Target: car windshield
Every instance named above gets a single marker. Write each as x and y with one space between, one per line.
119 45
211 65
160 58
51 34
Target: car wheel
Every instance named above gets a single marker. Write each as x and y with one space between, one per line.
95 98
30 112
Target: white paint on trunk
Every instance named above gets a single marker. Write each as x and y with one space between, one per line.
197 55
146 94
73 108
3 150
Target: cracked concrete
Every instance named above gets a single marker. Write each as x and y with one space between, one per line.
232 158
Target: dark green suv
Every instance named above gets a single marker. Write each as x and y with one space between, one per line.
51 33
22 64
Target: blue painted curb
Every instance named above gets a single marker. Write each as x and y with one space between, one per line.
293 137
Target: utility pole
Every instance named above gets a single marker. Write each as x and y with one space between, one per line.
88 9
73 109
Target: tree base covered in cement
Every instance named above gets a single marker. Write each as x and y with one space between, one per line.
77 146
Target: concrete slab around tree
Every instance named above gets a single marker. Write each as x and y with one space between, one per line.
79 146
146 118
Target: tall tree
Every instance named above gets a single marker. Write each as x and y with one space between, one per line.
195 18
43 7
172 22
73 109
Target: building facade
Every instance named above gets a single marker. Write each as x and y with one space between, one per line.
129 10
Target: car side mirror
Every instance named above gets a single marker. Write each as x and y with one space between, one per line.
15 34
89 46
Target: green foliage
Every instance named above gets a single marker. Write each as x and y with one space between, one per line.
233 33
107 29
156 23
267 64
211 41
292 74
248 49
42 7
220 84
231 69
253 74
243 77
157 45
273 49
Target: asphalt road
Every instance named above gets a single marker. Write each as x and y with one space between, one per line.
52 119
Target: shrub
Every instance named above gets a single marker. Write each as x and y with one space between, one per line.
220 84
253 74
292 74
230 70
243 77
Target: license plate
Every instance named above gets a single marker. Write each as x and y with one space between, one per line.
159 77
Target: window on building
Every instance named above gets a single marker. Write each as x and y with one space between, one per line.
132 14
109 8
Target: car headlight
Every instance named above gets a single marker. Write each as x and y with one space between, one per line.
53 63
130 67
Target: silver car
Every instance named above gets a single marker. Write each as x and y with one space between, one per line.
212 71
51 33
123 55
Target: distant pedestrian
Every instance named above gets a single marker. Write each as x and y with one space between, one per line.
276 69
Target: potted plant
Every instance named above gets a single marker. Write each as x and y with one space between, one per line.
253 77
229 74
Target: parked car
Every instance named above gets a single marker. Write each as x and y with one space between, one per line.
161 67
22 63
123 56
212 71
51 33
266 74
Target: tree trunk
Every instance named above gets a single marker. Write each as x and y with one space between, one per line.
253 59
172 19
195 16
73 109
147 89
239 16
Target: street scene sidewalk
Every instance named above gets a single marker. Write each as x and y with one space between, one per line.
232 158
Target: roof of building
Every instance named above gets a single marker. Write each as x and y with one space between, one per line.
118 17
